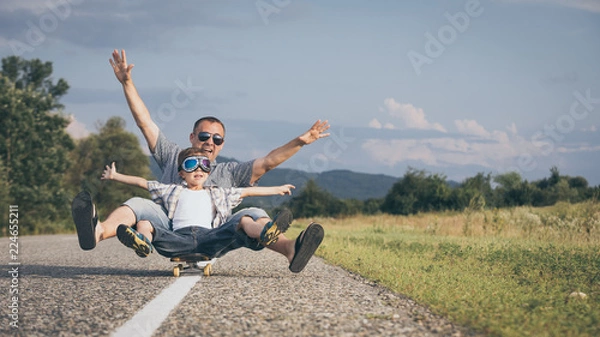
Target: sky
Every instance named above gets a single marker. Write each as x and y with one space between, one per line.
450 87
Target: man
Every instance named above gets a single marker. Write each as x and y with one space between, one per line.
208 135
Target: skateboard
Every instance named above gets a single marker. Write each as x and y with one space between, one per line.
194 262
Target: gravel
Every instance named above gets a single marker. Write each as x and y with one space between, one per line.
65 291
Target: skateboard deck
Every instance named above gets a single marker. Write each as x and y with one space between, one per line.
194 263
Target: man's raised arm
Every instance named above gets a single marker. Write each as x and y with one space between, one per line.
283 153
138 109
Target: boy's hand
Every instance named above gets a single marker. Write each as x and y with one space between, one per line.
109 172
286 189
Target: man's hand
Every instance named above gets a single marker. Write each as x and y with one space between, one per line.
119 65
315 132
283 153
109 172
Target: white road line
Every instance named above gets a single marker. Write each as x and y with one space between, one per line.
147 320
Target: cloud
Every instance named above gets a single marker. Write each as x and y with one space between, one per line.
472 145
374 123
471 127
391 152
411 116
153 24
578 148
94 24
585 5
35 6
562 78
444 151
77 129
591 128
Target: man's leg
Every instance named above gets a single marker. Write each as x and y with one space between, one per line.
305 246
107 229
90 231
298 252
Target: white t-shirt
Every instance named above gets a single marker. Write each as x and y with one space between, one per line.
194 208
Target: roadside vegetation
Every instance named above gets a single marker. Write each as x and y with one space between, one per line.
519 271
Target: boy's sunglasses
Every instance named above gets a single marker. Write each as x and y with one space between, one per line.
191 164
217 138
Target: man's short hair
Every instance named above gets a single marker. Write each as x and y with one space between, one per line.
209 119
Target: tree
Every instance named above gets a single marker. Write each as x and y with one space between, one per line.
372 206
112 143
512 190
578 182
313 201
34 145
4 198
416 192
474 188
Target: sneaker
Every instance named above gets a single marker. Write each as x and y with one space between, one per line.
134 240
278 225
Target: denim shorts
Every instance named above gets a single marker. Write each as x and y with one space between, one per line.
146 209
214 242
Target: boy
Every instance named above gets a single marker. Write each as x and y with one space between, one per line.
200 216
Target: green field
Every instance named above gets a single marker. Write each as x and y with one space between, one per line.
509 272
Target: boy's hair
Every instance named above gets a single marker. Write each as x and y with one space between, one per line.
209 119
190 151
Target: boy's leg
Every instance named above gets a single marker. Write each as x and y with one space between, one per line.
228 236
145 228
263 229
136 240
170 243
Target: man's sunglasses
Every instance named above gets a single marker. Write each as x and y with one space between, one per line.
217 138
191 164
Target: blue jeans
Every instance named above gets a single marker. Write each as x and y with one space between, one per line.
213 242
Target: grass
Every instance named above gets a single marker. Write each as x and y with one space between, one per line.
501 272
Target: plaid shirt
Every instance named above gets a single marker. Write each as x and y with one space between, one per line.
223 199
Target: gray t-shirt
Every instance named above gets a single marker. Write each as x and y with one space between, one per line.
230 174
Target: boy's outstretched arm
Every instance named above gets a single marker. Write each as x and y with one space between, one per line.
110 173
283 153
261 191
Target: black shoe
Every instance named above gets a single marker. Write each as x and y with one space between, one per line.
278 225
134 240
306 244
86 219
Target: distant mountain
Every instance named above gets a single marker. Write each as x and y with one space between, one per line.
345 184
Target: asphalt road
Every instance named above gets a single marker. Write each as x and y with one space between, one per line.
50 287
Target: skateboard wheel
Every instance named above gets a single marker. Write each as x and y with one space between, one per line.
207 270
176 271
